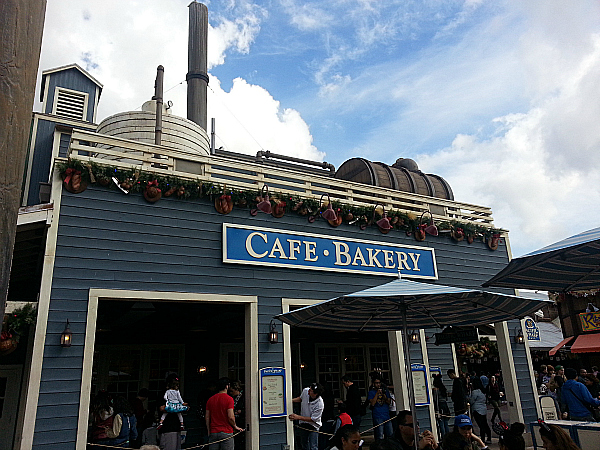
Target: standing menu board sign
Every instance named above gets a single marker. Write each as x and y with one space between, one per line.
435 370
272 392
420 384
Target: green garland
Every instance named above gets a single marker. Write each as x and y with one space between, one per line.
186 189
18 321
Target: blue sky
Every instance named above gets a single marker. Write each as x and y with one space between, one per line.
498 97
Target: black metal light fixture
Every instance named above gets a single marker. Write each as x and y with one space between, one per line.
273 334
66 336
414 337
519 338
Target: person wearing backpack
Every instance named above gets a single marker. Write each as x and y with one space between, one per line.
577 398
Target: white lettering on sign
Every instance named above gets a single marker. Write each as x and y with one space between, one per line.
249 248
277 247
415 261
339 253
388 259
373 261
402 261
311 249
294 248
260 246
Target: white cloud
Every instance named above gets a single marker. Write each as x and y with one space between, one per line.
121 46
540 171
249 119
307 16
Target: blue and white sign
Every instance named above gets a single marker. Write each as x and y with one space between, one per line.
420 384
280 248
533 332
272 392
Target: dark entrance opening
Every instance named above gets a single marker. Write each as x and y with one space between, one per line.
138 343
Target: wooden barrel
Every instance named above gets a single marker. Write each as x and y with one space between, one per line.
363 171
402 176
441 187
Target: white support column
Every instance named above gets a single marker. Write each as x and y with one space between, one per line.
35 375
538 408
509 374
434 429
397 365
287 361
252 375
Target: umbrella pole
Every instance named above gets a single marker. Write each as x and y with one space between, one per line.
409 379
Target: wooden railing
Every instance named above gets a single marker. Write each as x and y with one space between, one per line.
125 153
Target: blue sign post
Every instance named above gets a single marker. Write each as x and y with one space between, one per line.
281 248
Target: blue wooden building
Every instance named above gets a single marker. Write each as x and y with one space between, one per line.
188 279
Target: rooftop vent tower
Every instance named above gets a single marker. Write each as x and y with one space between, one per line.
197 78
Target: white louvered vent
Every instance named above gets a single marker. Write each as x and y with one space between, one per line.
70 104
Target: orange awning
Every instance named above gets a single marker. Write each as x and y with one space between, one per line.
561 345
586 343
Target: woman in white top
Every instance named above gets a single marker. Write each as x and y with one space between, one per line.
477 401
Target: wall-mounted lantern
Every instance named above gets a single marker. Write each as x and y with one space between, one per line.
66 336
273 333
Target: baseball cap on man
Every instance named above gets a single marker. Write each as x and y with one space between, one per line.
462 420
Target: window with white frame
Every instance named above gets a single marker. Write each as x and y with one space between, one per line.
356 361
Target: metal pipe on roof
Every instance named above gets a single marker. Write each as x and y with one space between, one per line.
269 154
158 96
212 135
197 78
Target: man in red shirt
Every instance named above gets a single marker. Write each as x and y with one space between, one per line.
220 420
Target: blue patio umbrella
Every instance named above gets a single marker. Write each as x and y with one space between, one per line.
572 264
396 305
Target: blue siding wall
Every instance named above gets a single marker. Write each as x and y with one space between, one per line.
42 155
75 80
40 164
441 356
175 245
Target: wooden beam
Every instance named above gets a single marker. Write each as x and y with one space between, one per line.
22 23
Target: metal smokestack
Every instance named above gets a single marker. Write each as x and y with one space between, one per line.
197 78
158 96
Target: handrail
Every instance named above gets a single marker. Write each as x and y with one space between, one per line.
108 150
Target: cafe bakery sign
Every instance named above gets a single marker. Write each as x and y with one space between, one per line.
282 248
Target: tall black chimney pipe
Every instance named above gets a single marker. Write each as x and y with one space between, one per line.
197 78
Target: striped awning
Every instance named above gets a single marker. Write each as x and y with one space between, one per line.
572 264
426 305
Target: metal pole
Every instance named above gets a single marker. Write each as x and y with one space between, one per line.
158 96
409 379
212 135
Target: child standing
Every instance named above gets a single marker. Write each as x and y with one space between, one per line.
174 403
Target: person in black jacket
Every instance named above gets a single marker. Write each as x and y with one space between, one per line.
353 400
459 394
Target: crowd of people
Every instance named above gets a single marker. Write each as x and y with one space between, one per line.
394 430
118 422
473 391
397 431
577 393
